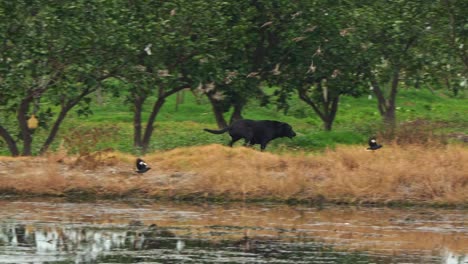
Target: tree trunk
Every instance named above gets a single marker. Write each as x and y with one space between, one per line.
387 106
154 113
327 124
66 107
54 130
237 113
390 117
218 111
22 118
328 114
12 147
149 126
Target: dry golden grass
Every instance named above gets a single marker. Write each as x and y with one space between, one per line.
412 174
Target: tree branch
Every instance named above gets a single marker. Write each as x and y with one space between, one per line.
10 141
304 97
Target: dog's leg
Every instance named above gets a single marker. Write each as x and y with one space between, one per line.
233 140
263 145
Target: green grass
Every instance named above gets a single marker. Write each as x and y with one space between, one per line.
182 124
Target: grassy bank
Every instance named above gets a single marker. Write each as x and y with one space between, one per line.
180 125
411 174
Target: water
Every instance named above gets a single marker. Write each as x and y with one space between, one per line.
53 231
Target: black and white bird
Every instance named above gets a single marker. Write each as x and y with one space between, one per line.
141 166
373 144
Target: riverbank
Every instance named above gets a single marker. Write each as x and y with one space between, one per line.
395 174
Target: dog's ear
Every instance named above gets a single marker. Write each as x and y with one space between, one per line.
285 125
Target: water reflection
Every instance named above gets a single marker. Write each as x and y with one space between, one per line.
55 232
85 245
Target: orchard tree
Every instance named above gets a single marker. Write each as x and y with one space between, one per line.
51 55
454 14
170 44
444 47
389 33
27 70
317 57
151 51
241 63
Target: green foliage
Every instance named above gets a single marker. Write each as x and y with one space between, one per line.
53 56
318 54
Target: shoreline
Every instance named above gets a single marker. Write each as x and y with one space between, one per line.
85 197
422 176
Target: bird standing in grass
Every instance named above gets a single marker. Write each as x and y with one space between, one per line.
373 144
141 166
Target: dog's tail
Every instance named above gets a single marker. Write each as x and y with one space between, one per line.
217 131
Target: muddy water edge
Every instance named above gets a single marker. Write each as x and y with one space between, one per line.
144 231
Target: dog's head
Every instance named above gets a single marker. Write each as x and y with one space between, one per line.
287 130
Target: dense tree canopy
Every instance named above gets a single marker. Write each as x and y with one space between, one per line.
318 57
54 55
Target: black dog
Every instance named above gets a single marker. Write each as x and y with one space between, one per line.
256 132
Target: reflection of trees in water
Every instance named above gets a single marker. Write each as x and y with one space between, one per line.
80 244
16 235
452 258
86 243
